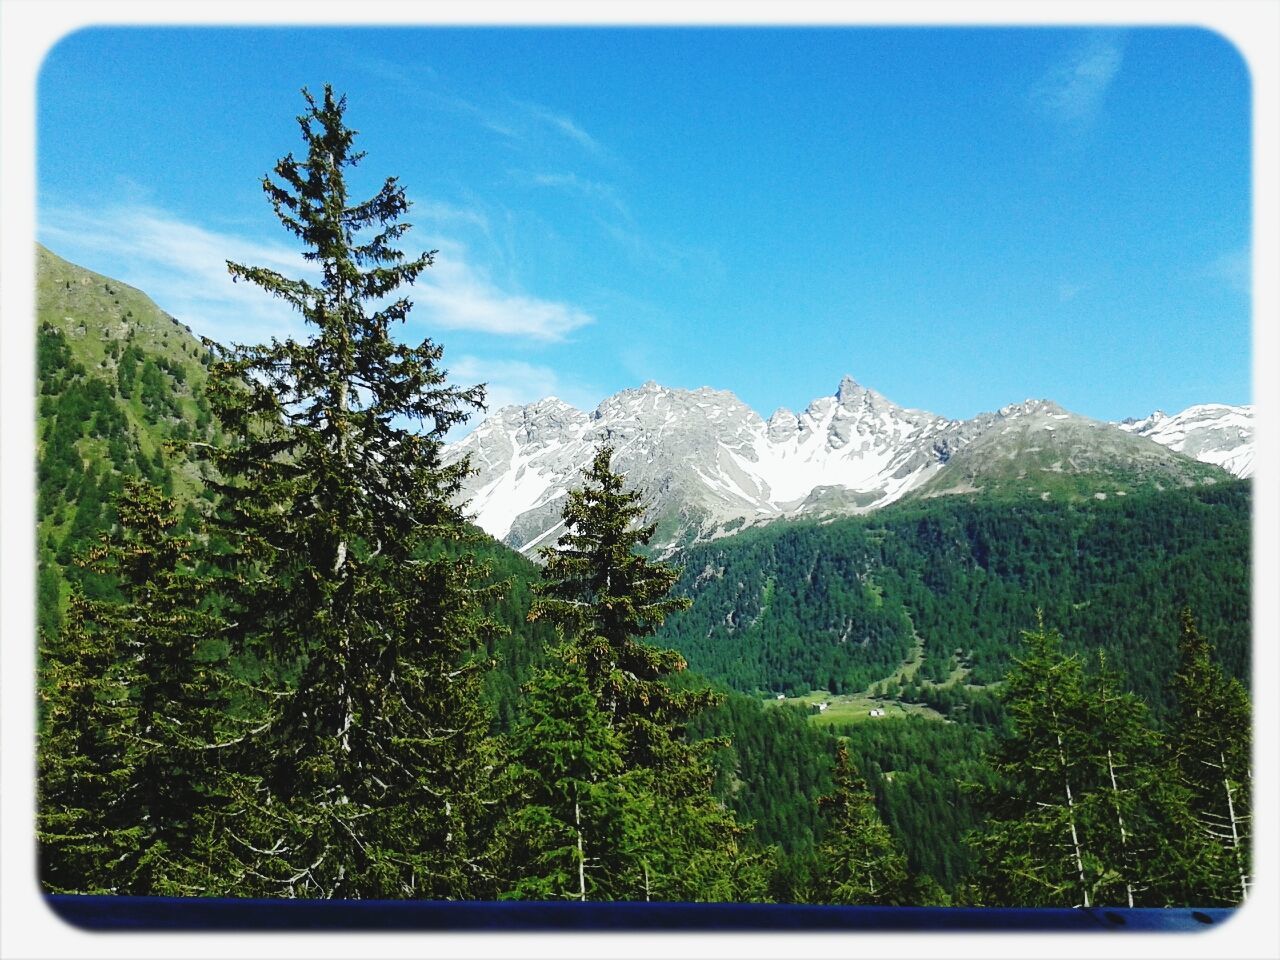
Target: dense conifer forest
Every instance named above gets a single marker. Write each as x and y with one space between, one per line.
801 605
276 659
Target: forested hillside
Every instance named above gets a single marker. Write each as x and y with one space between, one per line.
118 379
121 394
837 606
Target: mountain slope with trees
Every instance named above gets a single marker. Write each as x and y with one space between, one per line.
837 606
120 383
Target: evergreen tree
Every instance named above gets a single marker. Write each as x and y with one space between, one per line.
605 596
859 861
1212 737
366 771
1032 851
134 698
83 828
1084 812
1140 820
170 635
574 833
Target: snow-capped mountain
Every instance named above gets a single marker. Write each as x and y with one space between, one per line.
704 458
1212 432
709 465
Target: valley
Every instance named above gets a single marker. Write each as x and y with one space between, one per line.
883 696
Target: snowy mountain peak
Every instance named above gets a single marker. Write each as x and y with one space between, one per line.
709 463
1218 433
850 391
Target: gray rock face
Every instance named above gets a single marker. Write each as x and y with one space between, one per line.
709 465
1211 432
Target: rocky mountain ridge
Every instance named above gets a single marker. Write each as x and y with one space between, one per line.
711 465
1213 432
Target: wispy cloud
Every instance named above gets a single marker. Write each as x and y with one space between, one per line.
179 265
509 117
1069 291
593 190
612 214
1072 91
431 214
563 124
516 382
1233 269
456 295
182 267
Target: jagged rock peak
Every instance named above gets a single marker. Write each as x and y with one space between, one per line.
782 425
851 392
1029 406
519 411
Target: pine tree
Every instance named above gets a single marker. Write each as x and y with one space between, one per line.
1212 740
1032 851
859 863
134 702
83 828
366 773
574 833
1085 813
1140 819
605 596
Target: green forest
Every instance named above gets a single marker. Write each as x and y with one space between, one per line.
275 660
801 605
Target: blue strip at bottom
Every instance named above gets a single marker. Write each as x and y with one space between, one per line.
195 913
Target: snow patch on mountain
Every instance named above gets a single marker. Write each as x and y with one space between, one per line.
709 465
1217 433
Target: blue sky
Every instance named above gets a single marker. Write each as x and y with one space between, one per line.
959 218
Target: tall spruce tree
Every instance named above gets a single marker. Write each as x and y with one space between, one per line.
84 766
859 861
1033 850
1212 740
605 596
1139 818
574 833
366 771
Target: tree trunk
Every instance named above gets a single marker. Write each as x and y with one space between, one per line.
1124 840
582 860
1075 836
1235 833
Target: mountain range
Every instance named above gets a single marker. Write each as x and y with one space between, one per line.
710 465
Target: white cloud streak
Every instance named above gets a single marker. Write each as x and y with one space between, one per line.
592 190
183 268
179 265
455 295
1234 269
1069 291
564 125
1072 91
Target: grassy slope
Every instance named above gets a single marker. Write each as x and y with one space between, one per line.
99 317
1065 460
